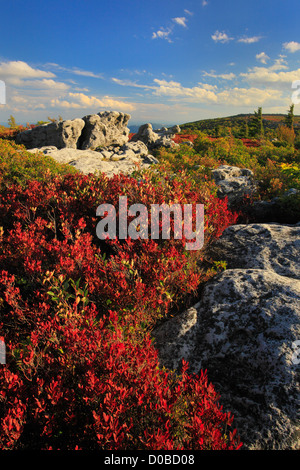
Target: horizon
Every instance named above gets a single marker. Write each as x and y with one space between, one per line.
163 62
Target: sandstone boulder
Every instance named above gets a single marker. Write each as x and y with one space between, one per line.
60 134
245 331
103 129
234 182
156 138
110 160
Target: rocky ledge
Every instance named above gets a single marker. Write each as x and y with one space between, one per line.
245 331
110 160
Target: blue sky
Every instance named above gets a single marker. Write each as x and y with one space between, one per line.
165 61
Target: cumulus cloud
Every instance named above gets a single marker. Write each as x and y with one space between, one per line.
162 34
267 76
85 101
262 57
21 70
220 36
292 46
165 33
181 21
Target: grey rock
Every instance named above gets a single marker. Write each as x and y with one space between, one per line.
244 332
59 134
92 131
234 182
111 160
156 138
146 135
104 129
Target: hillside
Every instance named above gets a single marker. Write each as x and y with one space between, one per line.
270 121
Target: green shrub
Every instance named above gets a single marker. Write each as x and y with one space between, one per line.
19 166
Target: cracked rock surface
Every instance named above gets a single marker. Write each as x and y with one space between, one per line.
245 331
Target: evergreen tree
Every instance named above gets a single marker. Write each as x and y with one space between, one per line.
289 119
256 125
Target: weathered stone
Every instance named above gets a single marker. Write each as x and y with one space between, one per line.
156 138
60 134
234 182
112 160
244 332
92 131
103 129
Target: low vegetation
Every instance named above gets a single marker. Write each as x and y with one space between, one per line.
77 313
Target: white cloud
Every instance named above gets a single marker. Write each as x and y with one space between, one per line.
262 57
175 90
75 71
188 12
93 102
181 21
250 40
224 76
130 83
249 96
162 34
21 70
204 3
219 36
292 46
267 76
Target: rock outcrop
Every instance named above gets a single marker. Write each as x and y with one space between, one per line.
156 138
109 160
245 331
234 182
102 129
61 134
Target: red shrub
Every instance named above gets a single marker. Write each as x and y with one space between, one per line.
76 315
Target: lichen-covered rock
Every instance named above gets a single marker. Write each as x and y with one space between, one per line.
156 138
109 160
245 331
103 129
60 134
234 182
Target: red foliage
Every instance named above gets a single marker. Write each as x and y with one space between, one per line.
251 143
9 133
184 137
76 316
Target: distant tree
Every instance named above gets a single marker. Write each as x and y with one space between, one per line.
256 124
12 122
289 119
217 131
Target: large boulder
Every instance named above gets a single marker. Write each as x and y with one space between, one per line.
245 332
103 129
110 160
156 138
60 134
234 182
